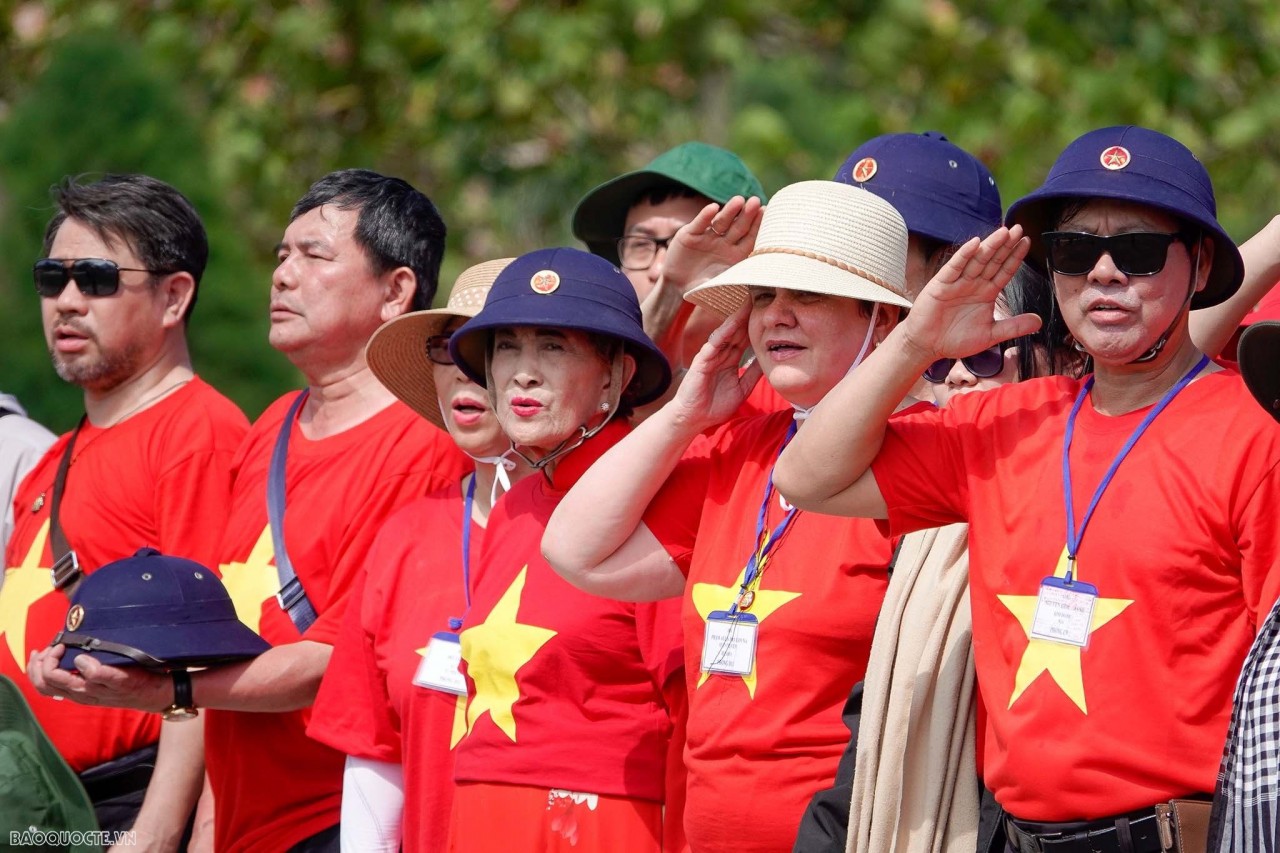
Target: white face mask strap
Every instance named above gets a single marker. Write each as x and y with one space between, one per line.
802 413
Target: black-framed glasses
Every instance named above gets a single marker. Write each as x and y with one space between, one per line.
94 276
438 349
983 365
1134 253
636 252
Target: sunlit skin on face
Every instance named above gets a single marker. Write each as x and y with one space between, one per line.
98 342
660 221
464 407
326 299
806 342
548 384
1117 317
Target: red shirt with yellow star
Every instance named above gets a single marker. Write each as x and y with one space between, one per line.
775 735
161 478
368 706
273 785
565 688
1181 549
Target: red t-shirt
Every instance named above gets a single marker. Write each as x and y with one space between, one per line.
760 746
1181 549
161 478
763 400
368 706
565 688
273 785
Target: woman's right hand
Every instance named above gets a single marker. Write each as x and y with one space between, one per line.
954 315
713 389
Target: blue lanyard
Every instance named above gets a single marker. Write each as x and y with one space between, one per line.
454 622
766 544
1073 536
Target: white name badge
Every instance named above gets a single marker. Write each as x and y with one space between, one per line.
729 645
439 667
1064 612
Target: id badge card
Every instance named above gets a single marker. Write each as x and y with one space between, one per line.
439 667
729 645
1064 611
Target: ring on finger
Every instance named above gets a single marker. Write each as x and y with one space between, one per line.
713 230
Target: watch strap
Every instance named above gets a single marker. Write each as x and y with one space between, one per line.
182 693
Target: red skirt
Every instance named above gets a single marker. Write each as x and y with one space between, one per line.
494 818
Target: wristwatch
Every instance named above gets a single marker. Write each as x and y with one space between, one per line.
184 706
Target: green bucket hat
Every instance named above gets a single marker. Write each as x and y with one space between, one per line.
713 172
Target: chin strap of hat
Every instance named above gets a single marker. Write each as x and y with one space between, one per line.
84 642
608 408
1155 350
503 464
801 413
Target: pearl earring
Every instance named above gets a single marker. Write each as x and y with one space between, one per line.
604 407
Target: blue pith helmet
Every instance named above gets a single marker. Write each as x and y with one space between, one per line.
565 289
157 612
942 191
1143 166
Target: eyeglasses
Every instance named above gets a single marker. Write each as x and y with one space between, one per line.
94 276
638 253
438 349
1135 253
984 365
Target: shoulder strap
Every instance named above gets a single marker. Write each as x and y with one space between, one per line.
66 566
292 597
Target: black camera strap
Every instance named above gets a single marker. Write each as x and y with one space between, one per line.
66 566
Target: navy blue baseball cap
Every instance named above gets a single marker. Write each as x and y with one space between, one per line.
158 612
1137 165
564 289
941 190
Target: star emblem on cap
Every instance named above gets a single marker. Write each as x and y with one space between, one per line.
75 617
865 169
545 281
1115 158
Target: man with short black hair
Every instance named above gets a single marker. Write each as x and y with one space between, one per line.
314 480
148 465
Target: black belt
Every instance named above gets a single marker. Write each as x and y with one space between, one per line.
127 774
1136 832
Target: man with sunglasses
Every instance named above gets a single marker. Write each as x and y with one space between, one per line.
1106 652
149 464
314 480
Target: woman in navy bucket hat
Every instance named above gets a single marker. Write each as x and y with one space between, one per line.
1119 566
571 698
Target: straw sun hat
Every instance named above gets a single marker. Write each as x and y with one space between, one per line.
820 237
397 352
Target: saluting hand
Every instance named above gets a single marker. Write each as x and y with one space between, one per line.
953 316
713 390
716 239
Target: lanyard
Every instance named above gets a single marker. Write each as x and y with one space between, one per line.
454 622
766 542
1075 536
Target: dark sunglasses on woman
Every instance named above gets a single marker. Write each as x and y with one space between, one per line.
1134 253
94 276
983 365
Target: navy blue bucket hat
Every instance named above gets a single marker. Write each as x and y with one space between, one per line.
157 612
941 190
1137 165
564 289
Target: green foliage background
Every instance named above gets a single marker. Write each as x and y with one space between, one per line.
506 112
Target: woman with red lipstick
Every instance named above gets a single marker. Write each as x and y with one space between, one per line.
779 606
1123 533
570 698
390 695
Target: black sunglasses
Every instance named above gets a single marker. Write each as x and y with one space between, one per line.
94 276
438 349
983 365
1135 253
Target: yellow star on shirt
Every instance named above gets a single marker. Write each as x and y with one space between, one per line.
23 586
709 597
254 581
1060 660
495 650
459 712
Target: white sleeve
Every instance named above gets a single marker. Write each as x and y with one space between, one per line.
372 805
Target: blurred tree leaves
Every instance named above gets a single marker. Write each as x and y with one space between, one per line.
505 112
